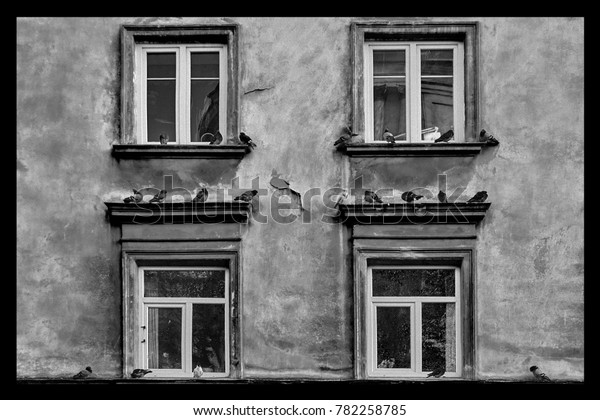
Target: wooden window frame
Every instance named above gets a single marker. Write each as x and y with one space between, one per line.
413 86
182 91
132 36
184 255
415 303
392 32
186 304
410 252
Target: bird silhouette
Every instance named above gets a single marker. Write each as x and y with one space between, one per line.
488 138
164 138
442 197
246 196
85 373
389 137
539 375
447 136
371 197
198 371
346 137
159 197
410 196
343 195
437 372
201 196
140 373
218 139
135 198
244 138
479 197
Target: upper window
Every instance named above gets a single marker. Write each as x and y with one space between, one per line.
417 81
179 84
182 92
414 90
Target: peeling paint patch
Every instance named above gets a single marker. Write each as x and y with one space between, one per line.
21 167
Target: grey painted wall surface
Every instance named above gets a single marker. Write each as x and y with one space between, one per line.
297 285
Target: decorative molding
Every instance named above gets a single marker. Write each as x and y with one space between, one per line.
413 213
412 149
178 212
179 151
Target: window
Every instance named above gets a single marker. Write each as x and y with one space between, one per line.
414 90
184 314
182 92
413 321
417 80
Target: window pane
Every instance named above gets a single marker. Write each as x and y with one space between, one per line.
436 62
389 63
389 107
204 108
161 65
184 283
437 106
161 109
413 282
393 337
205 64
439 336
208 337
164 338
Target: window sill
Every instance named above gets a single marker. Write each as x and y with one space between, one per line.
178 151
178 212
411 214
412 149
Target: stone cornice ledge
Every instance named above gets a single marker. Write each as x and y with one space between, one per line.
412 149
413 213
178 212
179 151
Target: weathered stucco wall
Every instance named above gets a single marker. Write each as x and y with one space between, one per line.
297 286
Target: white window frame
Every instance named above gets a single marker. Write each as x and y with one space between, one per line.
186 303
413 87
182 90
415 303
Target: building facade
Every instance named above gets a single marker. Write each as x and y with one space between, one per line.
306 279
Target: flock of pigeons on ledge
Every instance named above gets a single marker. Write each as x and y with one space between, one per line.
436 373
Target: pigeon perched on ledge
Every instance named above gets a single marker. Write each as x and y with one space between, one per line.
389 137
480 197
442 197
201 196
135 198
437 373
410 196
446 137
246 196
140 373
164 139
346 137
488 138
85 373
539 375
244 138
218 139
371 197
158 198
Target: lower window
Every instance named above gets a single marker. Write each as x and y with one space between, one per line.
184 315
413 323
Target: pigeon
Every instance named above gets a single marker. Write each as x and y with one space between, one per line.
280 184
140 373
346 137
389 137
341 198
488 138
164 139
437 372
86 373
539 375
198 371
447 136
201 196
480 197
218 138
159 197
410 196
371 197
247 140
246 196
442 197
135 198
